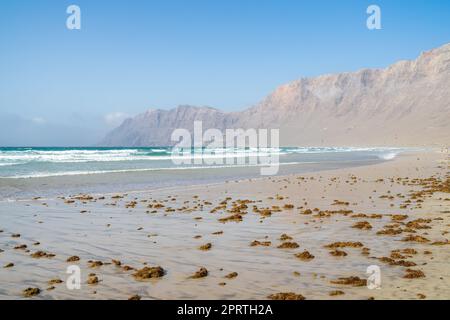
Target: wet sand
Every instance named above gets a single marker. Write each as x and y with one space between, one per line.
150 180
256 238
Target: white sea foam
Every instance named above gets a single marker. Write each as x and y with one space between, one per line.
114 155
388 156
40 162
76 173
9 164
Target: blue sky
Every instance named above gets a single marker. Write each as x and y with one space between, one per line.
133 55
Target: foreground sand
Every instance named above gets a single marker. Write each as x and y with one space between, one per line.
214 227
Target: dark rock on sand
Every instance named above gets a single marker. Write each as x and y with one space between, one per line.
305 256
201 273
149 273
353 281
73 259
288 245
286 296
30 292
206 247
231 275
42 254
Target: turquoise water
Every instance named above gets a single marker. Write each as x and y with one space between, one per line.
18 163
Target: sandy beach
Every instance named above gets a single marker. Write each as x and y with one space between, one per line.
312 235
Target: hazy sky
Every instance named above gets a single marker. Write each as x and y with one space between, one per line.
68 87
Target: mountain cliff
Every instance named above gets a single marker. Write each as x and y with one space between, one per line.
407 103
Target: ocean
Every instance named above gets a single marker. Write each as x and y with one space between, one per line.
46 162
33 171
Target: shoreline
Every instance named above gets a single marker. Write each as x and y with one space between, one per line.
192 186
181 220
364 163
142 180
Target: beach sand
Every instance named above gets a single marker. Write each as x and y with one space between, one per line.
255 238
